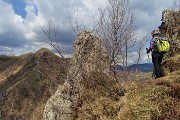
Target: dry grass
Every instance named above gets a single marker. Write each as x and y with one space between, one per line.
140 76
99 98
152 100
102 108
144 99
172 64
147 100
24 93
11 71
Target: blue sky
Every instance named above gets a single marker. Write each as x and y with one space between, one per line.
20 21
18 6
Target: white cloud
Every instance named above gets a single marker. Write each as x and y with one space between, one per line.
148 14
17 34
12 28
9 20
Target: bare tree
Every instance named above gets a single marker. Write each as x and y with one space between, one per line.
116 28
140 45
49 36
77 26
74 23
176 5
129 43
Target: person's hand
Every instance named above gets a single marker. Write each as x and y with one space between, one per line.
148 50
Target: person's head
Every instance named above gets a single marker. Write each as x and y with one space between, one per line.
155 33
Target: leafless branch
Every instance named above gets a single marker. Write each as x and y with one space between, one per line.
50 36
116 30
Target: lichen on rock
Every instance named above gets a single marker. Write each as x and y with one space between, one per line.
89 56
170 27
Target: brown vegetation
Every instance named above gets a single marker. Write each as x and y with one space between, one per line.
99 99
25 92
32 79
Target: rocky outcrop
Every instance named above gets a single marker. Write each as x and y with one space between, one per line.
89 56
170 28
58 106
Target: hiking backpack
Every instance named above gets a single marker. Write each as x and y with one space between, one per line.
162 45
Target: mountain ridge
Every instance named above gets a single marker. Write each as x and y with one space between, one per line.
144 67
27 81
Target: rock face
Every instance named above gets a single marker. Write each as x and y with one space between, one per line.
170 28
89 54
89 57
58 106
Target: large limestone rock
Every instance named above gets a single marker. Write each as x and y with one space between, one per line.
89 56
58 106
170 28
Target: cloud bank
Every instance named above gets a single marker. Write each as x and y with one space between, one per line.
19 28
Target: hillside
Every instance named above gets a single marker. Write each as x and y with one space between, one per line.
40 85
157 99
26 83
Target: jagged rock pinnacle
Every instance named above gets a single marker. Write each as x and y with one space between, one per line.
89 56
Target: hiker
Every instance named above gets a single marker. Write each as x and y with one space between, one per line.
156 56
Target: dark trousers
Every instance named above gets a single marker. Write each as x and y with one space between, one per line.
157 60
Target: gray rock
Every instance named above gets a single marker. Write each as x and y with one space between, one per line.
170 27
58 106
89 56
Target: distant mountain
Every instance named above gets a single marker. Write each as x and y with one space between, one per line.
146 67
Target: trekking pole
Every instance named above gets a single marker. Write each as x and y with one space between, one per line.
153 72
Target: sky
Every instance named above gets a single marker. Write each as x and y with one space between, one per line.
20 22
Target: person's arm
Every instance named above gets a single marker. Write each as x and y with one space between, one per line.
152 45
